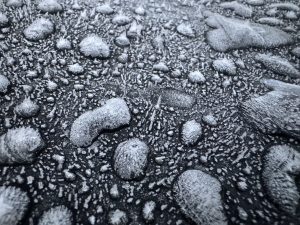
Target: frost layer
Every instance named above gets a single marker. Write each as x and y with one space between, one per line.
114 114
39 29
281 164
198 195
20 145
13 204
235 34
130 159
59 215
277 111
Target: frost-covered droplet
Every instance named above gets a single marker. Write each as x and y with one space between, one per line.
4 84
185 29
105 9
123 58
296 52
231 34
122 40
176 98
272 21
20 145
161 67
224 65
3 20
156 79
256 2
93 46
238 8
63 44
209 119
135 30
130 159
117 217
198 195
176 73
50 6
291 15
114 114
191 132
76 69
285 6
27 108
196 77
59 215
39 29
159 42
277 111
13 204
51 86
121 19
140 10
14 3
281 165
278 65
